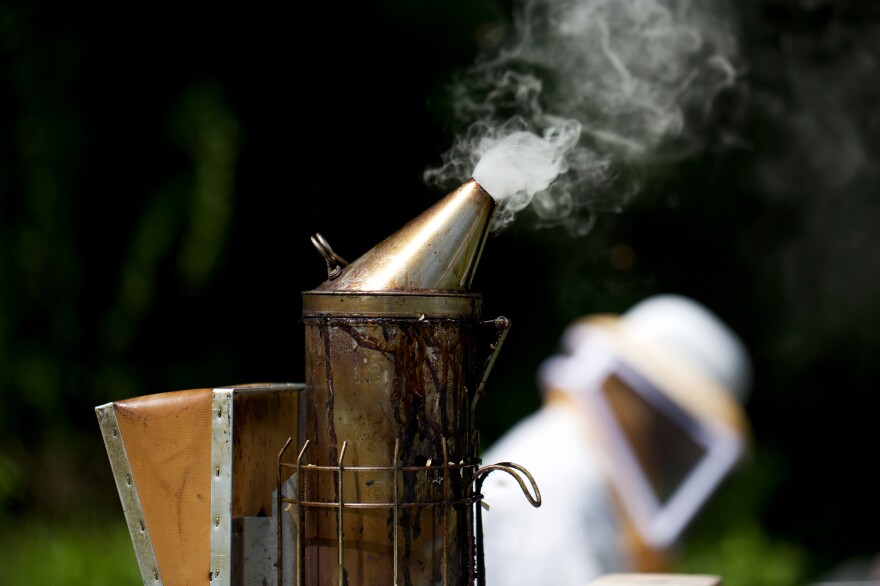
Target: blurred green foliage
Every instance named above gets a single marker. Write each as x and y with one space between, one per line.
41 551
744 555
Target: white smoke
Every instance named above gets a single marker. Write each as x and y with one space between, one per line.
584 93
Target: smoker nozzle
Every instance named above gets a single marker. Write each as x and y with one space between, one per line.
437 250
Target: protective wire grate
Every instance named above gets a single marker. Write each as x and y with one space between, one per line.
469 473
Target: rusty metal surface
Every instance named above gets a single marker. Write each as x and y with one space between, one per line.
380 385
439 249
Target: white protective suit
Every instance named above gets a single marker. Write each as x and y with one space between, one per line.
584 527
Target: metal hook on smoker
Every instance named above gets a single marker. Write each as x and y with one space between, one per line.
502 325
478 478
335 263
511 469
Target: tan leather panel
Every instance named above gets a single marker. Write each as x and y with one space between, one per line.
167 437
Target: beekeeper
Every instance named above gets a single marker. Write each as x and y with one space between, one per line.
641 421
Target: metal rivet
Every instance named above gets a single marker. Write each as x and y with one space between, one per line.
216 521
128 479
216 572
218 471
155 575
114 432
142 526
219 413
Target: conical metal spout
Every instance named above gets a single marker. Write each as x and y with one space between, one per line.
439 249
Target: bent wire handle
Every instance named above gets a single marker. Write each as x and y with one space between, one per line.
503 326
335 263
511 469
478 478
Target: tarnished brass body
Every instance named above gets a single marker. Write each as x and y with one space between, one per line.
391 371
383 384
438 250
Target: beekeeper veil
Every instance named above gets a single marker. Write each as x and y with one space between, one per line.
663 387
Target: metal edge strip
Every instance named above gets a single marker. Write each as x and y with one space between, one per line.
460 306
221 486
128 495
263 388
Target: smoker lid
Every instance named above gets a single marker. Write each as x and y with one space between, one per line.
438 250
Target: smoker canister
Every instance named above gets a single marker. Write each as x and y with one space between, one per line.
392 375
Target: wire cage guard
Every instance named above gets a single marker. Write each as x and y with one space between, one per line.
468 474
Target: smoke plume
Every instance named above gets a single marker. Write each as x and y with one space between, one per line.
562 115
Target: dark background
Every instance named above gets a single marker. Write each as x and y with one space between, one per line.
163 165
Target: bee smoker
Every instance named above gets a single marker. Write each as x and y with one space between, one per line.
383 486
388 474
